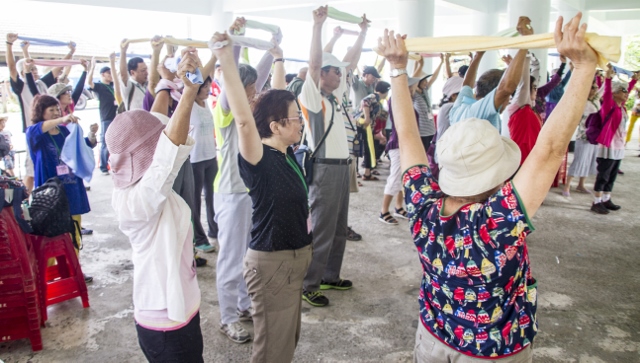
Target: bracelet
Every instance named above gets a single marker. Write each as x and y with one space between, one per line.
9 43
278 60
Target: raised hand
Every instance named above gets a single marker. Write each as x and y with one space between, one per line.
12 37
188 64
524 26
563 59
393 49
84 64
112 56
72 47
124 45
507 59
238 26
571 43
25 45
157 43
276 51
221 38
364 25
320 15
610 72
93 128
27 65
338 31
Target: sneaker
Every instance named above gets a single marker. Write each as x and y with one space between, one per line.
610 206
352 235
315 298
105 172
246 315
236 332
339 285
206 248
200 261
87 278
599 208
86 232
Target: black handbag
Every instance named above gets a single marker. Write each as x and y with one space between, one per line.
49 211
358 138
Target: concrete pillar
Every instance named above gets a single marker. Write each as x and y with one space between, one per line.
538 12
567 11
220 19
486 23
416 19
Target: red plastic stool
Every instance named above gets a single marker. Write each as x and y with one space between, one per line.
63 281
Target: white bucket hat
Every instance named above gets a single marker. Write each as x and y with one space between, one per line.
474 158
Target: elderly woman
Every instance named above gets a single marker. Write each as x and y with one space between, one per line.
477 296
45 138
611 140
584 154
62 91
280 249
145 159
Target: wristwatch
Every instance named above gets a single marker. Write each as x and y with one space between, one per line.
398 72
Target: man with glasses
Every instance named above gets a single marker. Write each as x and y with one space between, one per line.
321 103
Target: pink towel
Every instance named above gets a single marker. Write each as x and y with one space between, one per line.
56 62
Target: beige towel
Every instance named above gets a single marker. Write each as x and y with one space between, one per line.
608 48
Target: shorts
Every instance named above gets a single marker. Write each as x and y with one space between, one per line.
394 181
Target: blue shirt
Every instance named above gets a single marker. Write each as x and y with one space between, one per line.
44 149
466 106
477 294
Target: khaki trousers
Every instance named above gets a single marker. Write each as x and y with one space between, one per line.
431 350
274 282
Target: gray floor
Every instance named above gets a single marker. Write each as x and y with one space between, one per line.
589 289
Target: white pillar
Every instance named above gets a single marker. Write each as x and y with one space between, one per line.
538 12
220 19
486 23
416 19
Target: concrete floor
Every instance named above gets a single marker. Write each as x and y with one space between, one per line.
589 289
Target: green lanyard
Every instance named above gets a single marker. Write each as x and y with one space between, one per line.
55 143
296 168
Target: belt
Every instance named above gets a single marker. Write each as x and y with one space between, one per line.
332 161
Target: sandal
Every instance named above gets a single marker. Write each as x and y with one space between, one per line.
375 172
360 184
583 191
387 219
369 177
401 213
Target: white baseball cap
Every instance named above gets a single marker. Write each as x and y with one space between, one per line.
474 158
330 60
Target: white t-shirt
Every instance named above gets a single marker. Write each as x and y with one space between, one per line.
138 94
202 133
317 111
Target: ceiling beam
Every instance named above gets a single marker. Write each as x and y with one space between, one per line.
194 7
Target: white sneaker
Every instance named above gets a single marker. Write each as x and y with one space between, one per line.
236 332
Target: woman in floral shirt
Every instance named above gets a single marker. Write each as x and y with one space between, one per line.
477 297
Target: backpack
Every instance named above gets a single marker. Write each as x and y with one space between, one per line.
594 126
49 211
121 108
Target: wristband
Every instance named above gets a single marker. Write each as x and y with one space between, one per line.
278 60
9 43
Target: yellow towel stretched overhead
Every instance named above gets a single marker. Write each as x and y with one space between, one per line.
608 48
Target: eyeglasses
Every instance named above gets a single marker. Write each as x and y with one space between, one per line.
337 70
299 118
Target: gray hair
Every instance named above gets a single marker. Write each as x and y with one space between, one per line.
617 86
248 74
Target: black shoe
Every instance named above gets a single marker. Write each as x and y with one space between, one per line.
352 235
315 298
599 208
88 188
200 261
339 285
620 172
87 278
610 206
86 232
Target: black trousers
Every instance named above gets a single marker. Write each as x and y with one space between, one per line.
607 173
204 172
367 151
176 346
426 142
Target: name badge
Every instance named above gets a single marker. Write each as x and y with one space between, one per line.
62 170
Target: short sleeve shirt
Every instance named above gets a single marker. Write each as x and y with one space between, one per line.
280 203
137 98
317 110
466 107
360 90
107 99
477 294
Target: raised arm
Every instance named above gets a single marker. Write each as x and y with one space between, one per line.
77 91
315 59
553 82
124 73
447 65
177 129
11 61
523 92
470 76
28 77
434 77
607 96
154 75
353 54
278 80
237 28
337 33
533 179
249 142
114 75
411 149
92 68
417 67
51 124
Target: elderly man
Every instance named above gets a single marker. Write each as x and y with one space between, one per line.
320 100
295 86
134 75
107 104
